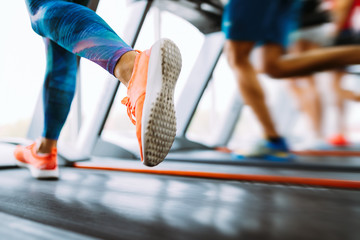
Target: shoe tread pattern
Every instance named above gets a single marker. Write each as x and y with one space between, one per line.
161 130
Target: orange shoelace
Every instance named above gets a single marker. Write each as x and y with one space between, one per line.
130 109
131 104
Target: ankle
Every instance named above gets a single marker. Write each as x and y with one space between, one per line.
46 145
124 67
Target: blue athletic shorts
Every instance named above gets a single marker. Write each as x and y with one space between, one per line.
261 21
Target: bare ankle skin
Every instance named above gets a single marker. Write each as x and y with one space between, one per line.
46 145
124 67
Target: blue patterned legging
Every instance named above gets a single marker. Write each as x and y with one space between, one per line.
70 29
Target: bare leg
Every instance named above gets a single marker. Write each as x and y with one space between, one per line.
124 67
309 102
278 65
343 93
314 107
307 94
46 145
340 96
238 56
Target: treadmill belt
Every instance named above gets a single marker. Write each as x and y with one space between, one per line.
119 205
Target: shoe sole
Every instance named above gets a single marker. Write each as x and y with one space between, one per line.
38 173
158 125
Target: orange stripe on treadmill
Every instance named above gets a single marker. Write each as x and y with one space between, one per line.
334 153
333 183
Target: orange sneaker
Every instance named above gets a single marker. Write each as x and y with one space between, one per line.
150 100
40 166
338 141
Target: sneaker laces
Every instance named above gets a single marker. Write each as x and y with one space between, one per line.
130 109
126 100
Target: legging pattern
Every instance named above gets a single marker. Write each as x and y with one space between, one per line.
70 29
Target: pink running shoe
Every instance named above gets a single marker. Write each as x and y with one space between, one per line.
338 141
40 166
150 100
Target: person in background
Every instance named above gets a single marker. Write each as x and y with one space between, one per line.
344 13
267 24
315 31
